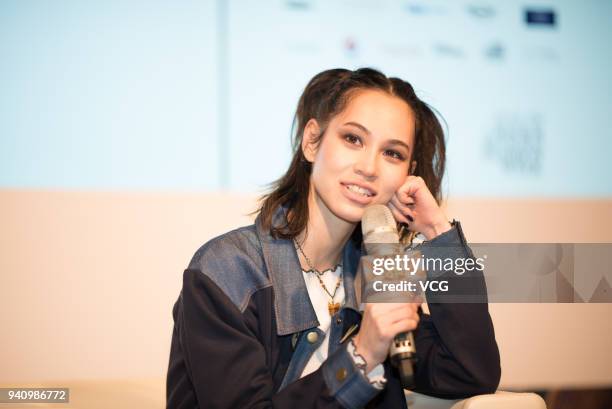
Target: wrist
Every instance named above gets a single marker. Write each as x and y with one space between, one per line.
370 364
375 376
436 229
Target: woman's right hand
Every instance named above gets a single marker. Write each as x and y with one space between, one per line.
381 322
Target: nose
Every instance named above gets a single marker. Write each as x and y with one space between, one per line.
366 164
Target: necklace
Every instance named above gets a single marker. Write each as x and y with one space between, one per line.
332 307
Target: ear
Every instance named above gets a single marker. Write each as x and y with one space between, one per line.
311 132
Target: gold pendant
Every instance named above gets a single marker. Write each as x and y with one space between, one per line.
333 308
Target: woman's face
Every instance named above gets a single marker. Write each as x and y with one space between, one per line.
363 157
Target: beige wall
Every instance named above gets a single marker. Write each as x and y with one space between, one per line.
88 281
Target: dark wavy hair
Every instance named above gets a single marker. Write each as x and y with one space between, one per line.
325 96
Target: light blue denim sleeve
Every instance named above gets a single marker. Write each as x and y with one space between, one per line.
345 381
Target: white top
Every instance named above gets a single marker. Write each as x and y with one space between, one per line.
320 300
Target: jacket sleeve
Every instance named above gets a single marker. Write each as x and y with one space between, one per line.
216 361
457 355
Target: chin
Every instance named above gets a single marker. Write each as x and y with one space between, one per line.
349 214
347 210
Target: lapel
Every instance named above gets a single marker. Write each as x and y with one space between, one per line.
292 306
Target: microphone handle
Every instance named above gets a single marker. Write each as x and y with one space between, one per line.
403 357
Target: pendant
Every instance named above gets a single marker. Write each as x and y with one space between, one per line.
333 307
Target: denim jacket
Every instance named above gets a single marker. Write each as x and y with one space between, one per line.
244 329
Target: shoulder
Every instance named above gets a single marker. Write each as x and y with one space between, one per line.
243 241
234 262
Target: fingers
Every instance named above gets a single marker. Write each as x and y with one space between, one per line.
387 314
410 187
407 324
387 309
381 322
404 205
391 307
405 319
404 216
401 324
399 216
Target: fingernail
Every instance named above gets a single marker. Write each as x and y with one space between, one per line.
409 217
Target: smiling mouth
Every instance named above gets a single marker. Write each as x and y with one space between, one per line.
359 190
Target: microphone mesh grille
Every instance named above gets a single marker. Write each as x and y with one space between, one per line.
378 225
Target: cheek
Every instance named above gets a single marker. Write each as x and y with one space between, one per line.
330 161
391 181
323 172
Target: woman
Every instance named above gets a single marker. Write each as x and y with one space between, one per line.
252 331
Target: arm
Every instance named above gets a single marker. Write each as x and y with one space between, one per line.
216 361
456 348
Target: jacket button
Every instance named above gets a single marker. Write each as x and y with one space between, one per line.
312 337
338 320
341 374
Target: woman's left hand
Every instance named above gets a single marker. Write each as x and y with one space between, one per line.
414 205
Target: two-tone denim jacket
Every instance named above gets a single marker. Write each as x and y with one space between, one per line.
244 329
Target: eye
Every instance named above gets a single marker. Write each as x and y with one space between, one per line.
352 139
394 154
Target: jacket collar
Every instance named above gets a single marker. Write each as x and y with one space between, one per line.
292 306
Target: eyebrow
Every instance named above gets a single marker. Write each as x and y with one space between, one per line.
391 141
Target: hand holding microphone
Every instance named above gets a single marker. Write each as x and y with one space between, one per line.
386 327
381 322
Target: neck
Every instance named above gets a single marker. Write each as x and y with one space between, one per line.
325 236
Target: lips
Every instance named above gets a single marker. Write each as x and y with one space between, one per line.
355 192
363 186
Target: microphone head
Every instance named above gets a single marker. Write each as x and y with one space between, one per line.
379 226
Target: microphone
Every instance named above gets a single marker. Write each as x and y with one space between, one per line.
380 238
